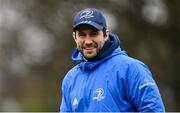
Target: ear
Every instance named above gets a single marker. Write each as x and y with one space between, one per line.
74 36
106 34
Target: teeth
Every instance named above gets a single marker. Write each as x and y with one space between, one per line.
89 48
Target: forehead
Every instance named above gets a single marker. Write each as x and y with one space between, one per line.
85 27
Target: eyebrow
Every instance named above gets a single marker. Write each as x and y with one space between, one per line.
91 30
94 30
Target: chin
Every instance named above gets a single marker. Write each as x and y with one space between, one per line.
89 56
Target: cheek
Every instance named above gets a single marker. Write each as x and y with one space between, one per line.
101 43
79 44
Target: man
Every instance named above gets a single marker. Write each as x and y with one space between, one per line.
105 78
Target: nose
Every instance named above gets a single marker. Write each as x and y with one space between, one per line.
88 40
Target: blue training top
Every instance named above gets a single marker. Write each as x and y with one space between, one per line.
113 83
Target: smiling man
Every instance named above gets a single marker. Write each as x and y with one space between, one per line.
105 78
89 40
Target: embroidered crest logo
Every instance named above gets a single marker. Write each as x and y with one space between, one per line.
98 94
87 14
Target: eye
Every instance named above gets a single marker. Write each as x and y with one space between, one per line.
81 34
94 33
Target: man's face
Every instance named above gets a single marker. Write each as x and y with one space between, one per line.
89 40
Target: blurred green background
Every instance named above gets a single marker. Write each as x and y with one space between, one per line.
36 46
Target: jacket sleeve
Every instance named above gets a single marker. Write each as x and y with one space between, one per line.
65 106
142 90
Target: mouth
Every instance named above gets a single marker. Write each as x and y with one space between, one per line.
89 47
89 50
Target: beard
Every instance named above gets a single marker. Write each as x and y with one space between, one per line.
89 51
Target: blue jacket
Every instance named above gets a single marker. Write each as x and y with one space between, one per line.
113 83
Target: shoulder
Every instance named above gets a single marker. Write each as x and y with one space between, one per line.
127 60
137 70
128 64
72 71
69 76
